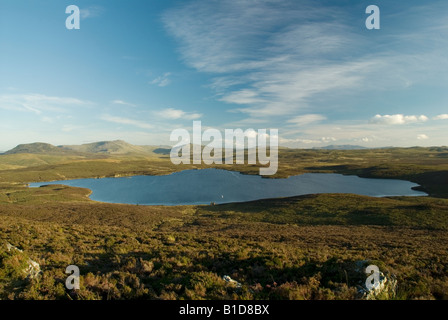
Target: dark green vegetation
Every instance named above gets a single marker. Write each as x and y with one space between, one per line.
425 166
294 248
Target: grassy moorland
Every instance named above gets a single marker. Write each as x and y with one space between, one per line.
425 166
303 247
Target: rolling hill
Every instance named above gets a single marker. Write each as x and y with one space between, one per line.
41 154
117 147
108 147
36 148
342 147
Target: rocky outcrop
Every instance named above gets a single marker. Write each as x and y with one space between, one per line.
384 287
232 282
32 271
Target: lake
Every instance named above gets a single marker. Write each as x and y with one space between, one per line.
221 186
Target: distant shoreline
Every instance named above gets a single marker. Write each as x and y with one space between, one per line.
259 196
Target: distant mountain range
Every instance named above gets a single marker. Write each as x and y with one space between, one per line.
120 147
341 147
109 147
37 147
117 147
103 147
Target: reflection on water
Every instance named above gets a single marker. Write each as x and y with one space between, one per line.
222 186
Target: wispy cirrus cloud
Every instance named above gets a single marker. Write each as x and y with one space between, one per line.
39 103
307 119
91 12
71 128
174 114
123 103
163 80
224 36
276 59
126 121
268 50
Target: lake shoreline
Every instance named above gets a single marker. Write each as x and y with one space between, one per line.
225 187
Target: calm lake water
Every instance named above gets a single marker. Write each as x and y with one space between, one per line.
222 186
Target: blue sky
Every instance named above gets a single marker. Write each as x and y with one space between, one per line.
136 70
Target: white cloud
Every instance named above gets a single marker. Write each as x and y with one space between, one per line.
47 119
307 119
174 114
221 84
225 36
357 132
441 117
163 80
245 123
306 141
244 96
271 46
278 58
126 121
328 139
124 103
70 128
397 119
91 12
292 142
422 137
38 103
